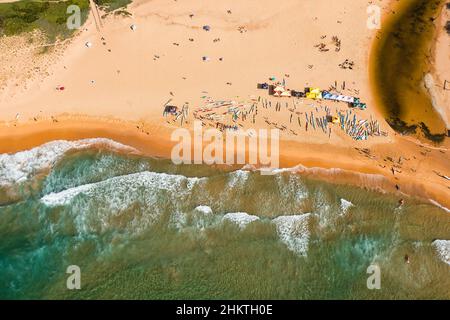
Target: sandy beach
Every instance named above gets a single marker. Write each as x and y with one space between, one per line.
116 87
441 72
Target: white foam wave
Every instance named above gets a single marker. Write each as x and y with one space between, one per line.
204 209
242 219
443 250
178 220
124 185
238 178
202 217
293 189
324 208
21 166
98 205
64 197
294 232
361 179
437 204
346 205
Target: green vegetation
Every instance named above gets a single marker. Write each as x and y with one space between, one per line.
122 12
111 5
50 17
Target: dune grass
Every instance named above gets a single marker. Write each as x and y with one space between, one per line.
111 5
49 17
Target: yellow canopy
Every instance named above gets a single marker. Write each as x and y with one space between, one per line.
311 95
314 93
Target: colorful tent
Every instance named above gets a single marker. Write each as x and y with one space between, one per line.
337 97
280 91
314 93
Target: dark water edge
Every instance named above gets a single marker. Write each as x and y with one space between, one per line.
400 59
120 232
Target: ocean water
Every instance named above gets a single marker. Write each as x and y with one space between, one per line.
143 228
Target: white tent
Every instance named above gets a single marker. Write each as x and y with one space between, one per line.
279 89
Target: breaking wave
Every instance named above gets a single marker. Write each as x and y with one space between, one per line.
294 232
443 250
346 205
21 166
18 172
97 206
125 211
437 204
241 219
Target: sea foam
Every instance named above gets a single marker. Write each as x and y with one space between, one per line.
242 219
294 232
238 178
204 209
346 205
443 250
98 206
437 204
21 166
126 184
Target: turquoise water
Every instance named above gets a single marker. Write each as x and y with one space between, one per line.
143 228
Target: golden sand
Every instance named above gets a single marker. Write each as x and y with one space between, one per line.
129 75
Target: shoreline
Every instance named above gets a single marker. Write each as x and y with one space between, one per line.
342 166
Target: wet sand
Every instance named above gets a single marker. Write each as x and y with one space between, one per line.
403 167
